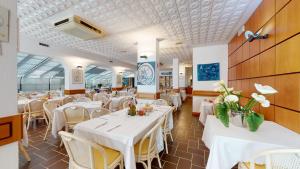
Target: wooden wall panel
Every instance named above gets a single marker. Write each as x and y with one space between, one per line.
268 28
267 62
288 87
274 61
280 3
288 56
287 118
288 21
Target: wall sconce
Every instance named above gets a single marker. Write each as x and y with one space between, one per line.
250 36
143 57
79 67
120 73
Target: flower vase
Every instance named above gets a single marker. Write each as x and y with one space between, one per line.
238 119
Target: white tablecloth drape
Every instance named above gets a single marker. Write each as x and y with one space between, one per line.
59 119
123 138
228 146
206 108
183 94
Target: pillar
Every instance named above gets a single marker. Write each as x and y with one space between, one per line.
9 154
74 78
182 76
175 75
148 69
116 81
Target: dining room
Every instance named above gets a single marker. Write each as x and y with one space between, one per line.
141 84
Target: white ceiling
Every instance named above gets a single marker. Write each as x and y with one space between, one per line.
191 22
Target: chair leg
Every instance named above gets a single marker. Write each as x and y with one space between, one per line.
171 136
28 122
48 128
24 152
158 159
166 144
122 163
149 163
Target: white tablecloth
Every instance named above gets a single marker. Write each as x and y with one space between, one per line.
59 120
115 101
123 138
206 108
228 146
183 94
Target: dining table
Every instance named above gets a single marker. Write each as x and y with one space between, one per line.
121 131
229 146
206 108
59 120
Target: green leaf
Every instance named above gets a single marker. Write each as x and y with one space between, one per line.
254 120
222 113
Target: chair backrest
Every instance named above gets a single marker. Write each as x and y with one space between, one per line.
85 157
100 112
151 135
48 108
100 97
107 104
121 102
36 106
166 120
83 99
67 99
126 103
160 102
75 114
279 159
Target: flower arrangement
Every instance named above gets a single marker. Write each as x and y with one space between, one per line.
229 102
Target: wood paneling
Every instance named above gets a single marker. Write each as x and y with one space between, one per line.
245 51
117 88
11 129
267 62
288 87
254 66
266 10
280 4
148 95
245 88
254 48
268 28
205 93
268 112
288 56
288 21
287 118
74 91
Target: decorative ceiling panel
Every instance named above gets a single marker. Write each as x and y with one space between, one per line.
191 22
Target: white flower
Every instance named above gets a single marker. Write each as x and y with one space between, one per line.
219 83
219 99
266 103
231 98
265 89
230 89
259 98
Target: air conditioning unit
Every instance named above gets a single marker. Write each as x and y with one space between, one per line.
79 27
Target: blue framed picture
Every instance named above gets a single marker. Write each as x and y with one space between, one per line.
146 73
208 72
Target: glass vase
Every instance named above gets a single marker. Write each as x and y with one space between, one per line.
238 119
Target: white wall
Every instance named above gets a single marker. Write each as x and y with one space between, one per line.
175 74
205 55
8 69
182 74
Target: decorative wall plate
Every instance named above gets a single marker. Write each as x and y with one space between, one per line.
146 73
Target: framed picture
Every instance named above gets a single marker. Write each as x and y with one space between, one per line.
77 76
146 73
4 27
208 72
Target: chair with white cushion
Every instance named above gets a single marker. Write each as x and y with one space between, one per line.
36 111
100 112
166 130
74 115
146 149
160 102
48 108
67 99
84 154
83 99
275 159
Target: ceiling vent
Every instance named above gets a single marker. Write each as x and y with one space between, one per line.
79 27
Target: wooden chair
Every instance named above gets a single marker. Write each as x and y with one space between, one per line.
279 159
166 130
126 103
97 156
74 115
48 108
67 99
83 99
22 149
99 112
107 105
146 149
36 111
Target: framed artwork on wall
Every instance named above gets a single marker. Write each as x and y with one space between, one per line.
77 76
146 73
208 72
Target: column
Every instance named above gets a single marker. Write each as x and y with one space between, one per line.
74 78
182 76
148 70
175 75
9 157
116 81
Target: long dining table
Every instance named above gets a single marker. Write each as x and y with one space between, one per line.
121 132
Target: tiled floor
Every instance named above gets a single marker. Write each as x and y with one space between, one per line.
186 152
